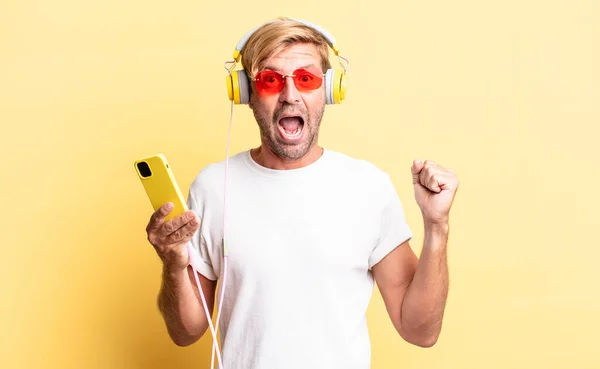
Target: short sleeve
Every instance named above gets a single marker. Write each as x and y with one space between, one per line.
202 250
394 229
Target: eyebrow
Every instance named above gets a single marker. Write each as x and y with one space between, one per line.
302 67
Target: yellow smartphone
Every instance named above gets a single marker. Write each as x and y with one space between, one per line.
160 184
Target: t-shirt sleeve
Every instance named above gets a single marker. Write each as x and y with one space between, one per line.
204 256
393 225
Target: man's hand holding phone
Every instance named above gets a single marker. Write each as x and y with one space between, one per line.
170 238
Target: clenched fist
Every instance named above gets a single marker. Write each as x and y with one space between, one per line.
170 238
435 188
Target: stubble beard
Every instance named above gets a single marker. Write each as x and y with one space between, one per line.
269 131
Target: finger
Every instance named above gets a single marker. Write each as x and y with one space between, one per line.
176 223
179 236
430 164
416 166
158 217
431 169
415 169
439 181
432 180
433 183
184 233
446 186
451 182
425 177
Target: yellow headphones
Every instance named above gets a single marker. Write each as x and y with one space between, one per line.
238 86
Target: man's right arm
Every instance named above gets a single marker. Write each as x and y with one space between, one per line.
179 299
181 306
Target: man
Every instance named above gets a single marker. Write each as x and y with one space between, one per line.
308 232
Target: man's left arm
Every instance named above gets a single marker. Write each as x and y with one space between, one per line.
415 289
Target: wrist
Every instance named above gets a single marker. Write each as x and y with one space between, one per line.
437 228
173 273
441 225
436 236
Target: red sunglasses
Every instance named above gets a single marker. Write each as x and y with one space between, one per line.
270 82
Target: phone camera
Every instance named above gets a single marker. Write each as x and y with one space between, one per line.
144 169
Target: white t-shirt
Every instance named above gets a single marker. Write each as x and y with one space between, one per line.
300 246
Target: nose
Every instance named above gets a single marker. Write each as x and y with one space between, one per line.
290 93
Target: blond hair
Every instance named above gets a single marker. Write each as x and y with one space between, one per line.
272 38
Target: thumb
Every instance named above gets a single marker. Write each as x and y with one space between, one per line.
416 169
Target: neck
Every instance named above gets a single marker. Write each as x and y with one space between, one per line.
265 157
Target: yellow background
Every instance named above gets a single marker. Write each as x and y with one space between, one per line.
505 93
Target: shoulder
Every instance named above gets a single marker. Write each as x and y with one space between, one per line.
356 168
211 178
362 178
367 184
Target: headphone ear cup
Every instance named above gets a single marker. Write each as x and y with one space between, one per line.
335 86
229 83
244 87
329 76
238 87
343 79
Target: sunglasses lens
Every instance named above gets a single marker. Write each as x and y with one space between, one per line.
269 82
306 81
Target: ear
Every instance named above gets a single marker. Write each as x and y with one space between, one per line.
251 94
251 100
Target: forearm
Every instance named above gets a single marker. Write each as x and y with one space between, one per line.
424 303
182 311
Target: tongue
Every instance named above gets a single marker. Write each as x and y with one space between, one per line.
290 124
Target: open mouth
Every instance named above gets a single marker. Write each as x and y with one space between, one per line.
291 127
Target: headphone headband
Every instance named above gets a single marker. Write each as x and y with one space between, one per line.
328 37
